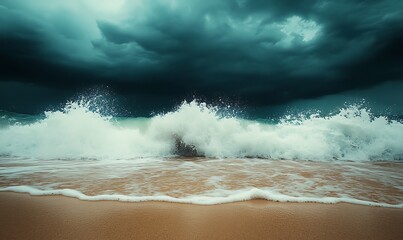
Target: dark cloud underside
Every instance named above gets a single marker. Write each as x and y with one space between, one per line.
257 52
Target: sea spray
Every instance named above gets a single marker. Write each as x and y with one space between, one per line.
79 131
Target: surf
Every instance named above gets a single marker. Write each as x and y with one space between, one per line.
197 129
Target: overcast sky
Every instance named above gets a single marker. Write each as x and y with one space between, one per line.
154 54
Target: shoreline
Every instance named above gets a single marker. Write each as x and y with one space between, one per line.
57 217
250 195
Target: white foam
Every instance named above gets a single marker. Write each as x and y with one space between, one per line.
217 198
76 132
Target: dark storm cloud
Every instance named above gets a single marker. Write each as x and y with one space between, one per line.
258 52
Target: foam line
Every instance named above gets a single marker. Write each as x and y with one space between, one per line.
237 196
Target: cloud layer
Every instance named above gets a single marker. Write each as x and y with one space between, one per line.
258 52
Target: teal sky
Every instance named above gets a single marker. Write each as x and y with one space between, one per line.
152 55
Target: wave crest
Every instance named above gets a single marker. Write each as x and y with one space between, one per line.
195 129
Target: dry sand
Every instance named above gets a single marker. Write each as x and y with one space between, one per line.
57 217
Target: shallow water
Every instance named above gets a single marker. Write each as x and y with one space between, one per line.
209 180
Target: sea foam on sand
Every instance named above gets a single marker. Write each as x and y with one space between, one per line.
237 196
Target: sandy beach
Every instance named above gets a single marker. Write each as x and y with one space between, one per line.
56 217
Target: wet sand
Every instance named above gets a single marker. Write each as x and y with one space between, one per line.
56 217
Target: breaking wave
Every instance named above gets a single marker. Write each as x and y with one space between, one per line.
196 129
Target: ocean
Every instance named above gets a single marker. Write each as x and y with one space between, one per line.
199 154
